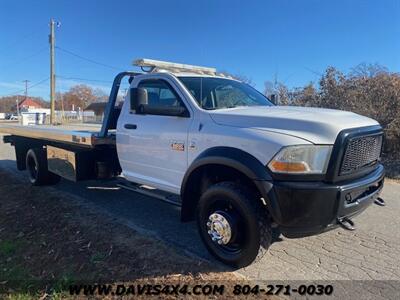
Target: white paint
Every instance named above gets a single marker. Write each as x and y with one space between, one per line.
146 155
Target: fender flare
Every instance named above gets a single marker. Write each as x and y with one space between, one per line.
234 158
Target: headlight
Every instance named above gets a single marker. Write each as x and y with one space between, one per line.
301 159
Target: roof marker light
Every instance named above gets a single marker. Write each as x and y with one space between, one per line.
157 65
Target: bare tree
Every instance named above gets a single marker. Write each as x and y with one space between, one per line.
240 77
78 96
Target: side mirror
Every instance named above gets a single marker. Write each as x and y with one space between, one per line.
274 99
139 103
138 98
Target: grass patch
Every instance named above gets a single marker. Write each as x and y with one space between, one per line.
13 273
20 296
48 242
8 247
97 257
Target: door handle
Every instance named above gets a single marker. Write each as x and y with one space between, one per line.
130 126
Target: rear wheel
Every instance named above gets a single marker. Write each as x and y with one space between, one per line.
233 224
36 163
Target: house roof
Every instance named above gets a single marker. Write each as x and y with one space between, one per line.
102 105
96 106
30 103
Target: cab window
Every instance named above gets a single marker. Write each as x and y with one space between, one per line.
160 93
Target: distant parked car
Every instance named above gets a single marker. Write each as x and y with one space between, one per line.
13 117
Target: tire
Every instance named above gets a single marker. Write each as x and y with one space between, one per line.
251 235
36 164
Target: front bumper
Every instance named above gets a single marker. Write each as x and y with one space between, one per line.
307 208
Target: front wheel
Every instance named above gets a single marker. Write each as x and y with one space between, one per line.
233 224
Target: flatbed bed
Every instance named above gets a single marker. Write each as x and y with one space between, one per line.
86 135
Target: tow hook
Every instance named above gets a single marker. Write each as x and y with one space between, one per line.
346 223
379 201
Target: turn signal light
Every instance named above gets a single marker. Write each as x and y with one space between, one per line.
285 167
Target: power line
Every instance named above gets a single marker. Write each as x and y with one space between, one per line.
84 79
88 59
13 94
313 71
16 62
20 39
40 82
23 90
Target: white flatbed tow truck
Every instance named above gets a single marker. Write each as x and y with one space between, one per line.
242 167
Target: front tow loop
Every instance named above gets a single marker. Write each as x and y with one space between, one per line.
379 201
346 223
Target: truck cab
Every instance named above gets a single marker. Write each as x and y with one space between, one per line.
244 168
193 132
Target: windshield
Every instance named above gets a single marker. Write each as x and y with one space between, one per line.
216 93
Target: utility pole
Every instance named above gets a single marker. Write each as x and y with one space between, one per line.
275 91
19 117
52 75
26 87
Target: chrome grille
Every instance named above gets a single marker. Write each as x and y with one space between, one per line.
361 152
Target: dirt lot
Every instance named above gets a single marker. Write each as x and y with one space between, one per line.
48 242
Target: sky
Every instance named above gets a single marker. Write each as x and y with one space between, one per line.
292 41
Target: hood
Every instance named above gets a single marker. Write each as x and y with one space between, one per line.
316 125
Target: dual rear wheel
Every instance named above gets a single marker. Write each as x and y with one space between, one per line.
36 164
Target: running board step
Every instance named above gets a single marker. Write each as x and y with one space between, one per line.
151 192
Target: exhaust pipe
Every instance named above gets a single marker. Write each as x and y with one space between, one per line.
346 223
379 201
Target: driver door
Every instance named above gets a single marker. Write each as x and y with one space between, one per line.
153 148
